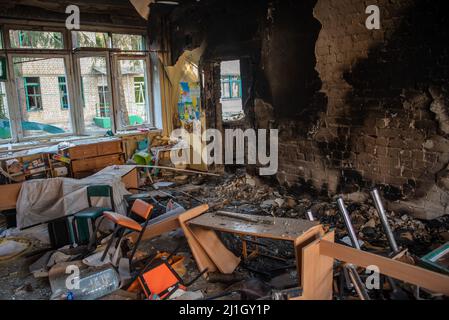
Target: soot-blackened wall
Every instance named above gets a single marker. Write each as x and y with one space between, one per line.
355 108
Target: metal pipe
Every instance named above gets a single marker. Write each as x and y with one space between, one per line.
384 220
346 277
351 231
352 271
310 215
358 284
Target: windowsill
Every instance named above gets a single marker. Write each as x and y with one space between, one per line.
17 146
132 132
45 142
230 99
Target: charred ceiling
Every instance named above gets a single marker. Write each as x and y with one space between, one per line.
98 12
276 38
230 28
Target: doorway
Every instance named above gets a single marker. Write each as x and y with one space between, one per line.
231 90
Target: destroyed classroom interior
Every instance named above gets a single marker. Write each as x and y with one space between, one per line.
224 150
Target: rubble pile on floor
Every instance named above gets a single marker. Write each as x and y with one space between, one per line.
262 268
246 194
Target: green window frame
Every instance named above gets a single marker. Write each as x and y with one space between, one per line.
139 90
227 83
63 96
33 96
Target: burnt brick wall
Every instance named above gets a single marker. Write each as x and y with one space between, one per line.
355 108
380 125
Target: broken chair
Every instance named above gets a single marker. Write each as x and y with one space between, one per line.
123 223
80 222
161 281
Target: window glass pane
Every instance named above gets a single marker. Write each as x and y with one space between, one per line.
132 84
1 39
85 39
130 42
36 39
38 89
96 95
225 89
5 127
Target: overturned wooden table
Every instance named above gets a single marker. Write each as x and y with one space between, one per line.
315 250
315 272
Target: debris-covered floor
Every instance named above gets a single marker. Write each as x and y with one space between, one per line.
238 149
259 276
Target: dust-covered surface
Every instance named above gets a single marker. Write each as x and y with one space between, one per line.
17 283
275 265
243 193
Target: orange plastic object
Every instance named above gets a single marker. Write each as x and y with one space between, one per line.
135 286
122 221
142 208
157 280
176 262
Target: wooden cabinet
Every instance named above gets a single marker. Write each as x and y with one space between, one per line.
109 148
89 158
8 195
82 152
95 150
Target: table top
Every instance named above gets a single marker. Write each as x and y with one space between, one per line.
265 227
119 170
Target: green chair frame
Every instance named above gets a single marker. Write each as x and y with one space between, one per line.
80 218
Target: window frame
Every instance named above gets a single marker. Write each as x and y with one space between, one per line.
103 100
3 54
63 93
15 105
228 79
149 103
79 87
3 94
72 76
7 140
7 40
140 86
37 84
